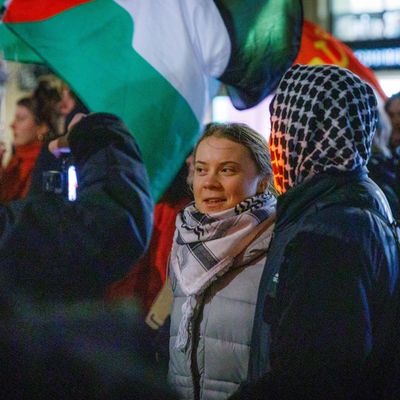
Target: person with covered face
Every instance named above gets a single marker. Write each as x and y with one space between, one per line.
329 330
216 262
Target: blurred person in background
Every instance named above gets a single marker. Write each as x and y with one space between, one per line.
392 107
32 123
383 163
63 105
36 119
48 94
70 105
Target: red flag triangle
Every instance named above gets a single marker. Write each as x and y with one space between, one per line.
25 11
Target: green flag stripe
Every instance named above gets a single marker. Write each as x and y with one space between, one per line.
13 48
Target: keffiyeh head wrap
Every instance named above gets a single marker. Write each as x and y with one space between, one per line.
323 119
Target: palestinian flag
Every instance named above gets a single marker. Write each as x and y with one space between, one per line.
320 47
155 63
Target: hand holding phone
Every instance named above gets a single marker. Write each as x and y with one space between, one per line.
60 145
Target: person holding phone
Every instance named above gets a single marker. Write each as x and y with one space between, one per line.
59 250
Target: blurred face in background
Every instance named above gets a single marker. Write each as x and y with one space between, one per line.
67 103
224 175
394 114
24 127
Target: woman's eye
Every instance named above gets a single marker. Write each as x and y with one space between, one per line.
199 170
228 170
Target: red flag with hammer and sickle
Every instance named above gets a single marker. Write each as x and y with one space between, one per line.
320 47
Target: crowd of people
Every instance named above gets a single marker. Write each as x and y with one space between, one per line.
266 271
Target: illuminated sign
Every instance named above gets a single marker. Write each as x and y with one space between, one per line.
355 20
379 57
370 28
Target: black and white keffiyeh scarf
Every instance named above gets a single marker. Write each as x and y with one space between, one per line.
323 119
206 246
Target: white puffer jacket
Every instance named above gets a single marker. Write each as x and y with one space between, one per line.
216 361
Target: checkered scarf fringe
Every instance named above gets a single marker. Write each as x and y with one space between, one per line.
207 246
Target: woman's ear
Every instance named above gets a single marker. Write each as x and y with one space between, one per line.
263 184
42 131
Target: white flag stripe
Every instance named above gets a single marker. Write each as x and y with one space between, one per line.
186 41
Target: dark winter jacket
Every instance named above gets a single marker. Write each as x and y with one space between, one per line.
75 352
333 322
61 250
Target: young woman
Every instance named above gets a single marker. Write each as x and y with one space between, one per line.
216 262
28 130
37 118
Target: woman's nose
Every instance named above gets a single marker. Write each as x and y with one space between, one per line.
211 181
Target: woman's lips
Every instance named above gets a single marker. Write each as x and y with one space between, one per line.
213 201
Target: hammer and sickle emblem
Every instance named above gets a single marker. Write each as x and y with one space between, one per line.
322 45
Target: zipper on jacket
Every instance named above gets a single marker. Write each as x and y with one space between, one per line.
193 357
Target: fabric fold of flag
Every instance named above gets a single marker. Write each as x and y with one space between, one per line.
265 37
